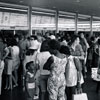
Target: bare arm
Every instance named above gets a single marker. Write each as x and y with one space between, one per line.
6 53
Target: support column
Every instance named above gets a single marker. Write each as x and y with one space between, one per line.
56 20
91 31
14 32
76 23
29 21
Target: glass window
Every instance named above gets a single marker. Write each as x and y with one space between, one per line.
13 18
43 20
66 22
83 23
96 24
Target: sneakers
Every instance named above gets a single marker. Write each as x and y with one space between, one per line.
15 85
36 97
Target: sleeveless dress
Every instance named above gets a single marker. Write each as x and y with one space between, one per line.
16 59
56 82
8 61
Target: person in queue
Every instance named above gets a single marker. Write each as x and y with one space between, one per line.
56 64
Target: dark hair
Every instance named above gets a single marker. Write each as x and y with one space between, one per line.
28 38
1 37
87 35
45 45
30 52
54 44
11 42
65 50
98 41
34 36
16 36
80 33
28 64
73 38
92 38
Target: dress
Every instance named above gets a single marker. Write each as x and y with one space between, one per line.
8 61
16 59
56 81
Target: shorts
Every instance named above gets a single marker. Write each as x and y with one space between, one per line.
31 93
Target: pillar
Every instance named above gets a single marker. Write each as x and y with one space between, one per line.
14 32
29 20
91 31
76 23
56 20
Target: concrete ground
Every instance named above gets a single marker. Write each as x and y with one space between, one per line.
18 93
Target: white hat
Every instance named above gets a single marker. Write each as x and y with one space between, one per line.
34 45
34 48
52 37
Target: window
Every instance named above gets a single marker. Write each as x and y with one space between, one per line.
83 23
96 24
66 22
43 20
13 17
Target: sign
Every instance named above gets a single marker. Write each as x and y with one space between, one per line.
40 21
13 19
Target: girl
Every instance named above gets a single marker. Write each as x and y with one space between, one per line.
56 81
8 55
16 63
77 51
73 73
30 80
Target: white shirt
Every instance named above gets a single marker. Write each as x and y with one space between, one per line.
34 44
71 73
29 58
15 52
42 58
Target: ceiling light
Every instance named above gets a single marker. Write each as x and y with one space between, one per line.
93 14
21 1
15 9
77 1
76 11
54 7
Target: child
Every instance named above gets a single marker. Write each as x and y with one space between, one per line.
73 73
30 80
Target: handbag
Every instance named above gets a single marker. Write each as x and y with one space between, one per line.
81 96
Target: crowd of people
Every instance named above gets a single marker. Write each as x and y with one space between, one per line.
50 65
